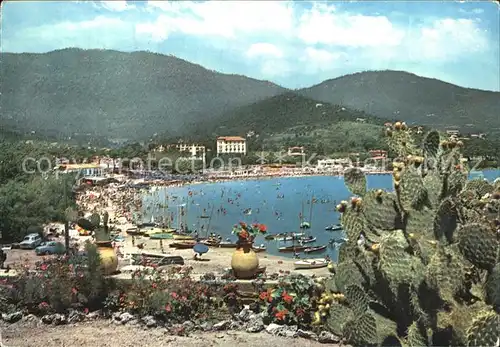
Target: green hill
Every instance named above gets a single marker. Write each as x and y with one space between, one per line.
116 94
275 115
415 99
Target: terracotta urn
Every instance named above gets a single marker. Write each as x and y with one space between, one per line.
109 259
244 262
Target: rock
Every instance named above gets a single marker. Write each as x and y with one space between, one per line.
188 325
59 319
282 330
75 317
12 317
47 319
223 325
206 326
255 325
149 321
30 318
328 337
116 316
96 314
307 334
245 314
235 325
125 317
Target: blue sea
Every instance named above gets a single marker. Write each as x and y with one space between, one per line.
277 202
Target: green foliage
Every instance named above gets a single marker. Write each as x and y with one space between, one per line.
429 258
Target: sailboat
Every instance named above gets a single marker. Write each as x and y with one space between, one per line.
304 224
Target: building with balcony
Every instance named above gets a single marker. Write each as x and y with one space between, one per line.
296 151
195 150
231 145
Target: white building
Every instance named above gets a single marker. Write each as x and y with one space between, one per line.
196 151
333 164
231 144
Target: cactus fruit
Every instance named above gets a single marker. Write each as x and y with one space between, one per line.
397 125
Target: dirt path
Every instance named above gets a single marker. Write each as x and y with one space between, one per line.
107 334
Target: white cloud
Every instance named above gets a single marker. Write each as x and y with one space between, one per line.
117 6
448 39
264 50
219 18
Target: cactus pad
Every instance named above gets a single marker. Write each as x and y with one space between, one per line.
362 331
481 186
381 210
95 219
355 181
431 144
348 274
493 287
412 192
479 244
445 220
353 223
357 299
484 330
414 337
446 273
338 317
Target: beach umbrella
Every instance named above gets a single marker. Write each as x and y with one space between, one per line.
200 248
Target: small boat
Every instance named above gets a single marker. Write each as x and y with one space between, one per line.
315 249
305 225
334 227
305 264
227 245
274 236
293 236
309 239
292 248
134 232
182 237
258 249
205 217
153 231
183 245
161 236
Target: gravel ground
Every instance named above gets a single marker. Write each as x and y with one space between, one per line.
107 334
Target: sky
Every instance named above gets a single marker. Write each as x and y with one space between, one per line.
295 44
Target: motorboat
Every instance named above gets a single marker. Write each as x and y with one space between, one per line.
334 227
315 249
305 225
182 237
275 236
226 244
134 232
305 264
292 248
309 239
258 249
293 236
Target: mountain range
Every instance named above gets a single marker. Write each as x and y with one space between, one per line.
135 95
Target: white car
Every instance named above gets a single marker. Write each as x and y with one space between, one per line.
30 241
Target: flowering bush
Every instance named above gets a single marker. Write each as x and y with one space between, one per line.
247 232
291 301
170 296
57 285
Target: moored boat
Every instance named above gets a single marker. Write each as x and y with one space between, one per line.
288 237
333 227
305 264
258 249
292 248
161 236
309 239
182 237
275 236
315 249
183 245
134 232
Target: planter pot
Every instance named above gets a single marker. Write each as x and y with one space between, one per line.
244 262
109 259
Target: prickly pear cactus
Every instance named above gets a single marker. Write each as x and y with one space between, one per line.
355 181
421 265
95 219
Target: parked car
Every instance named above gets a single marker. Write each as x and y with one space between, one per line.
31 241
51 247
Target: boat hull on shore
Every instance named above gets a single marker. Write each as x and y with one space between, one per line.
306 264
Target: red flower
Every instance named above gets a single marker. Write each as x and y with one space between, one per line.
262 228
74 290
264 295
86 310
244 234
280 315
43 267
287 298
168 308
243 225
299 312
154 285
174 295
